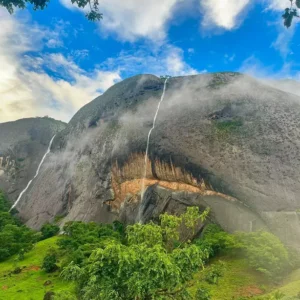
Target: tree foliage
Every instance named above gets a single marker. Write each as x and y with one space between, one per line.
152 262
80 239
48 230
49 262
14 237
93 13
265 252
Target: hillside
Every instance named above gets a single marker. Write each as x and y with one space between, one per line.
223 140
22 146
238 280
32 283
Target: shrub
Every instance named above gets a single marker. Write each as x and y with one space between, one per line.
144 265
49 263
48 230
202 294
265 252
216 240
214 273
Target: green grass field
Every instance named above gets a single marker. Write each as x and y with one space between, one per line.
29 284
291 285
240 281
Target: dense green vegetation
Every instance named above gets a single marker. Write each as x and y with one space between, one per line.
15 238
160 260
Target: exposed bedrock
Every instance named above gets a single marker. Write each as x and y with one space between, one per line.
221 140
22 146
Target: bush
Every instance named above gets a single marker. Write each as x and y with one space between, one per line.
49 263
14 237
143 265
214 273
202 294
265 252
215 240
48 230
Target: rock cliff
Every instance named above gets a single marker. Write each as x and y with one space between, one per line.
222 140
22 146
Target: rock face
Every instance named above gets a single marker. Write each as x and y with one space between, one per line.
22 146
221 140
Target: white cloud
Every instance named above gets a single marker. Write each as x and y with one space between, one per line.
278 5
133 19
256 68
223 13
53 43
27 90
165 60
283 40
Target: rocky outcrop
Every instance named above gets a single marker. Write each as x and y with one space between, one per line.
221 140
22 146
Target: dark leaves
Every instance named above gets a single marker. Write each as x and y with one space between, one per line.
288 16
290 13
92 15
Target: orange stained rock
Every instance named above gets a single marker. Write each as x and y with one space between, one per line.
133 187
128 180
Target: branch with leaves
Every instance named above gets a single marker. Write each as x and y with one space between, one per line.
291 12
93 14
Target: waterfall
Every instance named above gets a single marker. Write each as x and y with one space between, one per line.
36 174
148 139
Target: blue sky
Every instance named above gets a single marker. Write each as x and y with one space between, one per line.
55 61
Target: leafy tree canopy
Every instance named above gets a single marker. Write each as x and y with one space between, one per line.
93 13
154 261
15 238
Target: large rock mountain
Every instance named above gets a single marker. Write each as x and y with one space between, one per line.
221 140
23 143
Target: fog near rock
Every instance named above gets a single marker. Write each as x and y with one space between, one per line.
286 85
233 132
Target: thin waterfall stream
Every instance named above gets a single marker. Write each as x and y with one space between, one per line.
148 139
36 174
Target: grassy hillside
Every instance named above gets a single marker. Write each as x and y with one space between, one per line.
241 282
30 283
238 280
291 285
141 262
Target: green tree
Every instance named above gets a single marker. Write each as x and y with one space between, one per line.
49 262
79 239
14 237
48 230
93 14
215 240
144 266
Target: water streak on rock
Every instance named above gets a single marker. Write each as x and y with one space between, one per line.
36 174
